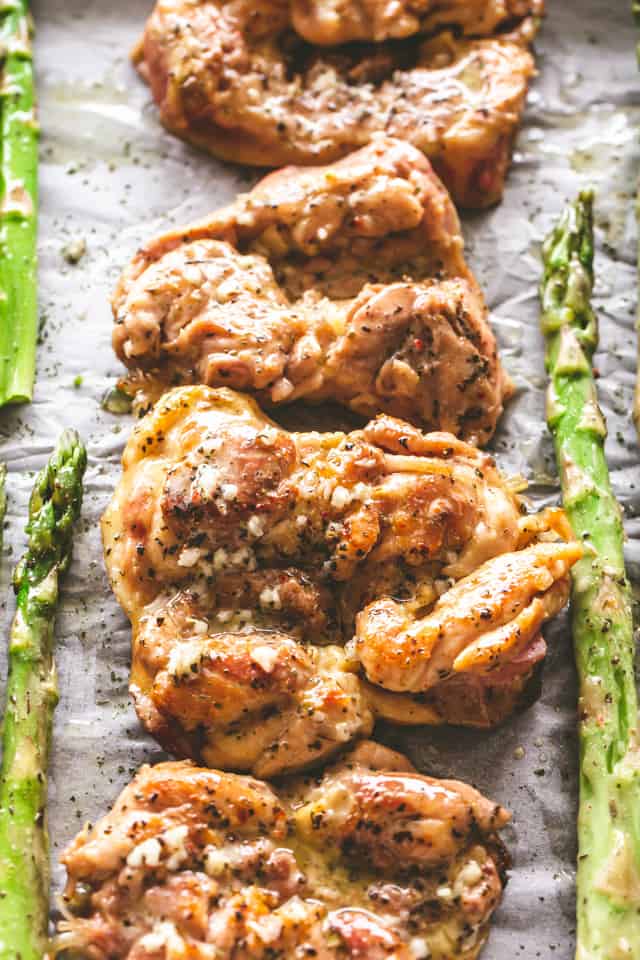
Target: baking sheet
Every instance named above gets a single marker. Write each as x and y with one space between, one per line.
111 177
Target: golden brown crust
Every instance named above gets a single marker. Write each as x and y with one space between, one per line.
247 558
237 81
332 22
346 283
371 860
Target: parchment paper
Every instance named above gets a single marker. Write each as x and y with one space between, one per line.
112 177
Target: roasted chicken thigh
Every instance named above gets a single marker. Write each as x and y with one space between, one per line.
370 862
240 79
343 283
286 588
333 22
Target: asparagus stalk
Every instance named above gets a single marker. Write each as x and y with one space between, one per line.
608 896
18 205
31 700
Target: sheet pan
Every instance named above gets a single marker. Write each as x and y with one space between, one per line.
111 177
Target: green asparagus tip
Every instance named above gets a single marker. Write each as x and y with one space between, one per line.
608 919
54 507
31 697
567 281
572 236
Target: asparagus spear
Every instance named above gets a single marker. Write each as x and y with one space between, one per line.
608 897
31 700
18 205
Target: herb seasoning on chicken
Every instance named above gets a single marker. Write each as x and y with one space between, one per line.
245 557
235 77
332 22
370 861
343 283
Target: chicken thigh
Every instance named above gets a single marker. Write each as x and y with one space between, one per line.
332 22
370 861
286 588
344 283
235 78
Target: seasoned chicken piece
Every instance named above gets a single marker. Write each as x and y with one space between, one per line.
373 802
372 861
233 77
331 22
324 284
478 626
247 558
240 696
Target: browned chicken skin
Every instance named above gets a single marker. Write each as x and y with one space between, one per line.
333 22
246 556
371 861
236 78
343 283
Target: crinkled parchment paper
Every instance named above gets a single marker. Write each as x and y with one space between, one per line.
111 177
